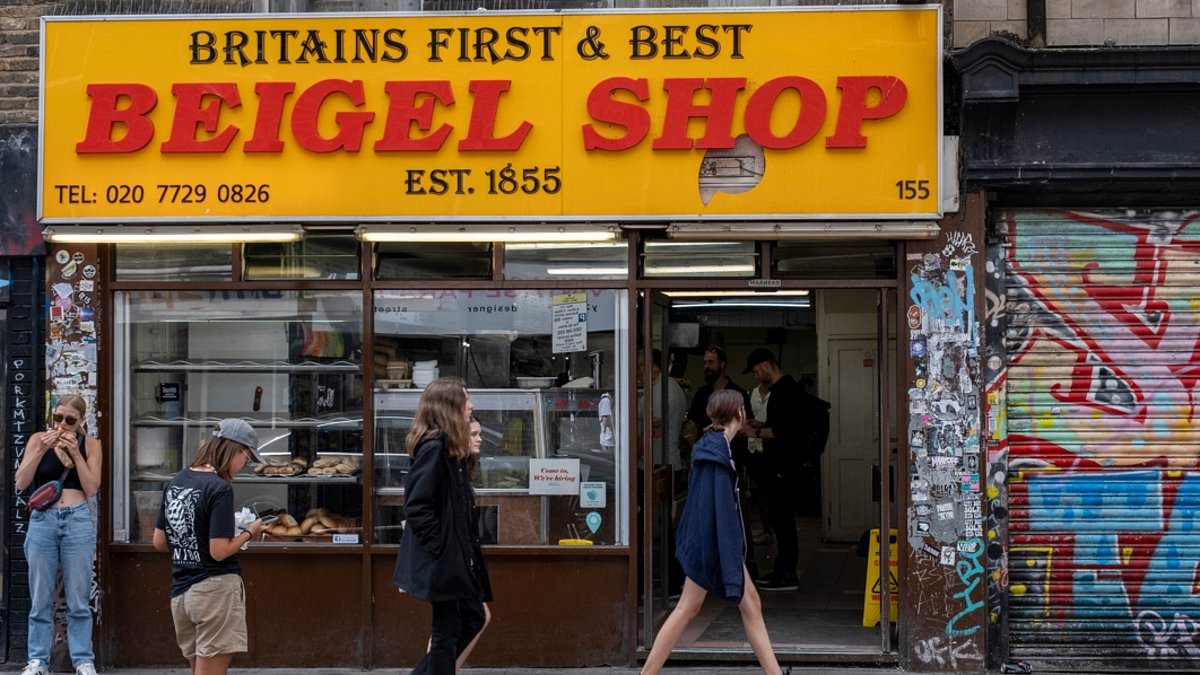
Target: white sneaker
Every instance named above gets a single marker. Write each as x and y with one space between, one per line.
86 669
35 667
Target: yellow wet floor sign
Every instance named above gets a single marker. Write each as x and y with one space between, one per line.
871 591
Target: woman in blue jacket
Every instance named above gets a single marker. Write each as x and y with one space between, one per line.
710 543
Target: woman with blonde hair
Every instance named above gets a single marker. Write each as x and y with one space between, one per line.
710 543
437 561
62 535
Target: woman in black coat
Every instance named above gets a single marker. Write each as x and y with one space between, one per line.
437 561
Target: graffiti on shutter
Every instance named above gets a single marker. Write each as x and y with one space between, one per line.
1103 358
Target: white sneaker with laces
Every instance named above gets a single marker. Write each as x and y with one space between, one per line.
86 669
35 667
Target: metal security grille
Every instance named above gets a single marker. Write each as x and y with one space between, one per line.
1102 342
132 7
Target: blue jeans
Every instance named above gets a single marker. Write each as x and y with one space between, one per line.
61 539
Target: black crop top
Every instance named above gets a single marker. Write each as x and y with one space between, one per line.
50 468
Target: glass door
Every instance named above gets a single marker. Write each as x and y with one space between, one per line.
658 456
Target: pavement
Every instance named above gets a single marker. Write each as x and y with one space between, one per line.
679 670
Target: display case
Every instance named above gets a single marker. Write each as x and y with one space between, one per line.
519 426
289 363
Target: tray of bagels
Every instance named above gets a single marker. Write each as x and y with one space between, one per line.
298 467
319 524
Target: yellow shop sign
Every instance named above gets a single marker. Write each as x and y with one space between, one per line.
826 113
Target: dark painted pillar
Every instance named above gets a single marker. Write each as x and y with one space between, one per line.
944 592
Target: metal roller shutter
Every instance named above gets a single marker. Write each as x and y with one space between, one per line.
1102 339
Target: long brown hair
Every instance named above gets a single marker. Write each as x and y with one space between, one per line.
440 411
219 453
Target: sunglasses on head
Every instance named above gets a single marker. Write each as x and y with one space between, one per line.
65 418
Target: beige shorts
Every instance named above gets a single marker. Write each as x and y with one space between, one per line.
210 617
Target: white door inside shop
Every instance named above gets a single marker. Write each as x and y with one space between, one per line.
853 447
846 328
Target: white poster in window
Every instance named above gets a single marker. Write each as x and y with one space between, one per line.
553 476
569 322
593 494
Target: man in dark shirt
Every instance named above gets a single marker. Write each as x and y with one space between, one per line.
715 379
782 438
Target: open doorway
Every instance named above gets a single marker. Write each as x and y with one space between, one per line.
811 482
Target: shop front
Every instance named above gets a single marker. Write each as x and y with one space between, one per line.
1091 348
302 221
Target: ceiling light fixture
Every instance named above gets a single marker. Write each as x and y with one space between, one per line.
734 294
484 233
742 304
817 230
172 234
692 270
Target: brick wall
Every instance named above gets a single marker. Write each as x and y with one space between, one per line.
1122 22
975 19
19 61
1083 23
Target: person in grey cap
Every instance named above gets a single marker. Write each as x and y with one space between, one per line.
196 526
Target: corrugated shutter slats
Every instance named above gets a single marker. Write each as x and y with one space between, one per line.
1102 337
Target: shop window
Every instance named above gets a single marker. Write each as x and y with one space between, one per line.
835 260
701 259
549 394
289 362
398 261
176 262
566 261
316 256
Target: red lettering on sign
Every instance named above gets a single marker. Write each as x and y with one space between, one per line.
481 129
403 111
350 124
854 109
602 107
105 116
199 104
271 96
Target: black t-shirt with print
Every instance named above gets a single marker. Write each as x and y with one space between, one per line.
196 506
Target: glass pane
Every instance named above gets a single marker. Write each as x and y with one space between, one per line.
433 261
699 259
548 405
313 257
176 262
288 362
835 260
566 261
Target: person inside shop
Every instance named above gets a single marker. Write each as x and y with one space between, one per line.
710 541
437 561
756 461
814 433
782 440
715 379
666 426
64 465
196 525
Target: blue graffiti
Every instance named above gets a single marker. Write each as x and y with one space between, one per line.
944 302
1095 508
970 572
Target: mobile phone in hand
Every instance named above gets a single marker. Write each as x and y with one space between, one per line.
267 520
